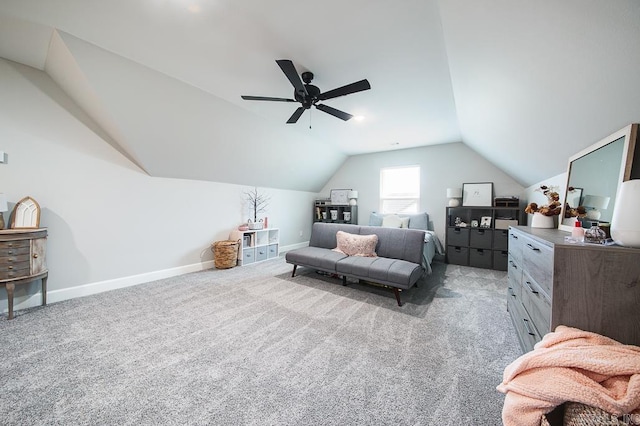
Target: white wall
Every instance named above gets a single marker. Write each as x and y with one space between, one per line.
441 167
110 224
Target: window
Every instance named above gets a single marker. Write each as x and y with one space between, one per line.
400 189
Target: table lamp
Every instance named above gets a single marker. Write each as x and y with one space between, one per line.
597 203
625 228
3 208
353 197
453 194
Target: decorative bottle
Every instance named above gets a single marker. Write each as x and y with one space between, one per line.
578 231
594 235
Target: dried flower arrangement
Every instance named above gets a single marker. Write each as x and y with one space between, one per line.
569 211
552 208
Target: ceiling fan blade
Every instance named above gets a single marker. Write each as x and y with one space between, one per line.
296 114
335 112
264 98
358 86
290 71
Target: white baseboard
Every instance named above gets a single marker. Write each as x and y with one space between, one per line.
284 249
102 286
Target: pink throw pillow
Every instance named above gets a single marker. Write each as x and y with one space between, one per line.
356 245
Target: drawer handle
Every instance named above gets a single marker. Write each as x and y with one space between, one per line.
457 230
10 266
10 252
526 325
530 288
514 236
532 247
35 255
481 231
513 265
511 292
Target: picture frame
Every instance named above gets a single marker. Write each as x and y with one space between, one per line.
477 194
340 196
485 222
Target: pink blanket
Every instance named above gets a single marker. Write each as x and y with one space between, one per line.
571 365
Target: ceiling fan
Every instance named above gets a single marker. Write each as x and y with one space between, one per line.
309 95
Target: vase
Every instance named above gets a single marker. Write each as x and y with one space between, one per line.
541 221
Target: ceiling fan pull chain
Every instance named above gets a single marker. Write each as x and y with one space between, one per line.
310 113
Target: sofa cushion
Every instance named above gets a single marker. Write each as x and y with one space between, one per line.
356 245
405 244
315 257
324 234
394 272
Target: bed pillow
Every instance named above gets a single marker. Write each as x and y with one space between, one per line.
392 221
419 221
375 219
356 245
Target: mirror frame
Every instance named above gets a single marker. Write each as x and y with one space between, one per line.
26 214
630 156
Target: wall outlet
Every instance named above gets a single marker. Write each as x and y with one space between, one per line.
2 160
301 233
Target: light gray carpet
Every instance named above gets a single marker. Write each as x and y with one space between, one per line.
253 346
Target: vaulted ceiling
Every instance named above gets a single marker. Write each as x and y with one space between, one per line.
525 84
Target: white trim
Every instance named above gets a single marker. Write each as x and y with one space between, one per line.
285 249
33 300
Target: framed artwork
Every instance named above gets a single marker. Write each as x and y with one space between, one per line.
485 222
477 194
340 196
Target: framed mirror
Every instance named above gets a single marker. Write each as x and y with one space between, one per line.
26 214
594 174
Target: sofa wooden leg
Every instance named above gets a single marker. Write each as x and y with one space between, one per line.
344 280
293 274
396 291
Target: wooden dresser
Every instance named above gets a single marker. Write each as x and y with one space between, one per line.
22 260
590 287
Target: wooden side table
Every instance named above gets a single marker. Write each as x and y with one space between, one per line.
23 260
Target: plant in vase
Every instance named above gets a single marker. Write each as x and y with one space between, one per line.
258 204
543 214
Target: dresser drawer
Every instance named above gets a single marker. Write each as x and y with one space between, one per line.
14 271
458 255
480 238
458 237
527 333
501 239
537 261
537 305
515 245
13 244
13 261
480 258
14 251
273 251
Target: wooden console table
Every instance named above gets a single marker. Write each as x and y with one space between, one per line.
23 260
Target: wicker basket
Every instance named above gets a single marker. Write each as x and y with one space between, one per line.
225 254
576 414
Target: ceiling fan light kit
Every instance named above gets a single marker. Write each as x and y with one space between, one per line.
309 95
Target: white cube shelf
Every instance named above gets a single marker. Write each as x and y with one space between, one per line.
256 245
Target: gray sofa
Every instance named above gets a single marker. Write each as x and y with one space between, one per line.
398 264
